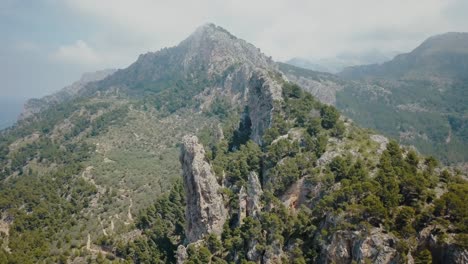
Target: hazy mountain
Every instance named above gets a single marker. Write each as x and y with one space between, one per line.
341 61
206 153
419 97
33 106
443 56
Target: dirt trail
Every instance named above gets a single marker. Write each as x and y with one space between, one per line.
129 214
93 250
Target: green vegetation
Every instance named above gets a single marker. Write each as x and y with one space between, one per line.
429 115
96 180
398 195
163 228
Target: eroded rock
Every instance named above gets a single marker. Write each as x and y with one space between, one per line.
205 212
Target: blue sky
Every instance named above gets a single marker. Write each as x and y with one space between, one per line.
47 44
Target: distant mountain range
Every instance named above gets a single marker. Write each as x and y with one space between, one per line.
419 97
443 57
342 61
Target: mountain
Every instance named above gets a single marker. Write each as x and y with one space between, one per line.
34 106
441 57
207 152
419 97
341 61
314 66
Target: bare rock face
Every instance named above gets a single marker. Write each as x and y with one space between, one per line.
442 252
348 246
181 254
249 198
262 94
322 85
242 205
254 193
205 212
273 254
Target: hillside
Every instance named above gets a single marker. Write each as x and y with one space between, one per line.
419 97
206 153
442 57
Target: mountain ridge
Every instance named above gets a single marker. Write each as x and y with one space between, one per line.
443 56
97 178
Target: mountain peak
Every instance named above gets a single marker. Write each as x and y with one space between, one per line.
211 28
209 49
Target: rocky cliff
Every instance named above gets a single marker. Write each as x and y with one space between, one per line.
205 212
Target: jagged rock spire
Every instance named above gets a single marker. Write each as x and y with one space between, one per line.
205 212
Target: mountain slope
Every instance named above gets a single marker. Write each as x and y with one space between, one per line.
269 173
419 97
117 138
440 57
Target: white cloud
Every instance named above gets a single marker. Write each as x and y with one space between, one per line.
78 53
281 28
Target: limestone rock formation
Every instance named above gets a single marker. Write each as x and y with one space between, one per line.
205 212
242 205
348 246
323 86
263 92
254 193
181 254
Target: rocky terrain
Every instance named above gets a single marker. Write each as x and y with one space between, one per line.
209 152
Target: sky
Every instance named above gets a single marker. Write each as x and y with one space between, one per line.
47 44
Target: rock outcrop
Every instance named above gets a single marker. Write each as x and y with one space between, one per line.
441 251
322 85
205 212
262 94
249 198
242 196
181 254
254 193
348 246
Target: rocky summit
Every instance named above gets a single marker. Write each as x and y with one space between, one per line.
211 152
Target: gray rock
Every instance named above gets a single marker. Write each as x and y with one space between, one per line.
242 205
181 254
262 94
348 246
273 254
254 194
205 212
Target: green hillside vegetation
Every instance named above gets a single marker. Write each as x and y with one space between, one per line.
418 113
396 192
83 168
96 178
418 98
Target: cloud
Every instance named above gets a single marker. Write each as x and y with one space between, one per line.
281 28
79 53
